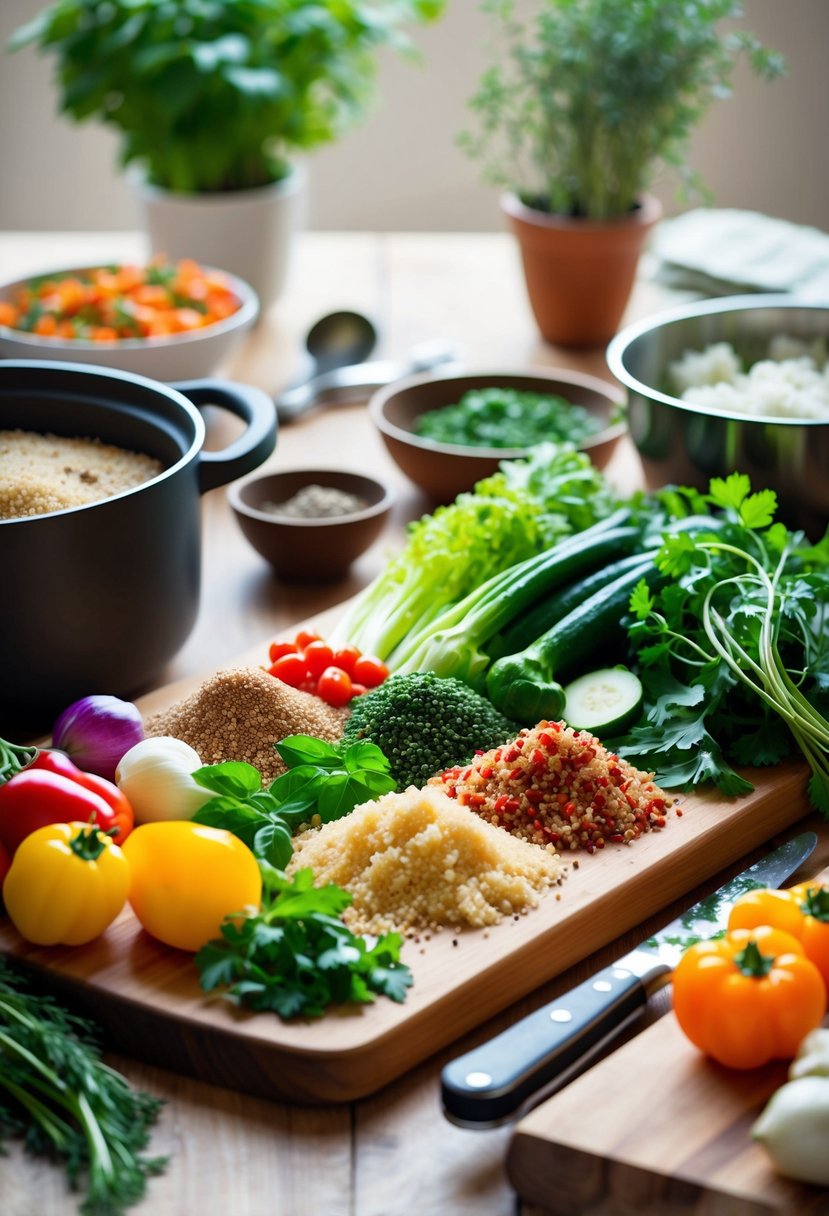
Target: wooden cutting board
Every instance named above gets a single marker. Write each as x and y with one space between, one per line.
656 1127
148 1000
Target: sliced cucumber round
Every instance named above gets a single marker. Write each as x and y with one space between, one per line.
605 702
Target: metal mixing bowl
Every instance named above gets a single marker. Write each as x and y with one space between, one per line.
687 445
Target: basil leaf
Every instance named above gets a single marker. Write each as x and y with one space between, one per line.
304 749
233 777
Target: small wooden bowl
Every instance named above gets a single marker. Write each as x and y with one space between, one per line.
309 550
445 470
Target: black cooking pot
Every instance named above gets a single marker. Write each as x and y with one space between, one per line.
98 598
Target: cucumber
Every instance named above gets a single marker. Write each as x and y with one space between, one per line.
552 608
604 702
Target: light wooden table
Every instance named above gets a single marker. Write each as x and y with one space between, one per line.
392 1154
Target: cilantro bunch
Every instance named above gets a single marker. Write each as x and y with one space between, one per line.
296 956
733 642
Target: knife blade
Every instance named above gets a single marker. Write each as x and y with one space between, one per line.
495 1081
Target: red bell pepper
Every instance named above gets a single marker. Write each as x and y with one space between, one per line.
53 790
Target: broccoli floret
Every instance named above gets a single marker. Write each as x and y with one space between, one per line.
424 723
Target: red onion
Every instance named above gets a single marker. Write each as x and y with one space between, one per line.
97 731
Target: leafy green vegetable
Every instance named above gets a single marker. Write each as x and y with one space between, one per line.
323 780
57 1093
736 640
216 95
296 957
526 507
507 418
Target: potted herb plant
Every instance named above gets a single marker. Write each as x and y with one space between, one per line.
214 99
585 100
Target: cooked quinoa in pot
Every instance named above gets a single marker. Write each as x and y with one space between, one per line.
559 788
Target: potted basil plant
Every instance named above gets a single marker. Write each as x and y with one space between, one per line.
213 101
585 100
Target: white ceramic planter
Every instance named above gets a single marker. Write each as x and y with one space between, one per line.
248 232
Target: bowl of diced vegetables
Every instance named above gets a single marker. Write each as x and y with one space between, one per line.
740 382
447 431
168 320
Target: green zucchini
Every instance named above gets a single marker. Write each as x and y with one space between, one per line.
527 686
552 608
604 702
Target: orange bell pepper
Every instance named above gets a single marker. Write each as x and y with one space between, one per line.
749 997
802 910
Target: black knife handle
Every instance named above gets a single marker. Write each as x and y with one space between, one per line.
492 1081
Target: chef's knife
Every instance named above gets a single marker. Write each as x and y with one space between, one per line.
490 1084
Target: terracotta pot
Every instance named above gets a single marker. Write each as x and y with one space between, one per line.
579 272
247 232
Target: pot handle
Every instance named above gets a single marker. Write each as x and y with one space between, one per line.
247 452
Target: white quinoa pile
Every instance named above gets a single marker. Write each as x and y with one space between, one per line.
559 788
416 861
42 473
239 714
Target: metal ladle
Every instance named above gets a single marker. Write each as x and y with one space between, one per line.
339 344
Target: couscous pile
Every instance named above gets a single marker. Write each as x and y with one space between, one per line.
416 860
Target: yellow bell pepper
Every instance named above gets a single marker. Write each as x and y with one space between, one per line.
186 878
66 884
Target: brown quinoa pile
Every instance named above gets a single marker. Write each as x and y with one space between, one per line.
416 861
239 714
41 473
560 788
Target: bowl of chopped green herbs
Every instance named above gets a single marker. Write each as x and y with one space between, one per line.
446 432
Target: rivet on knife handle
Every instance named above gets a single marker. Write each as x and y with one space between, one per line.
491 1082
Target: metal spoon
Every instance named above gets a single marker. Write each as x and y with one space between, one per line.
354 381
339 339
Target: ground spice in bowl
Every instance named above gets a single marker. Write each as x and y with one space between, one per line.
316 502
559 787
239 714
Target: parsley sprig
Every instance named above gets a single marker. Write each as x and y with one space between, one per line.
295 956
736 639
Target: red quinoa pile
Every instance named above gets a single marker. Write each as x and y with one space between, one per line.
559 788
239 714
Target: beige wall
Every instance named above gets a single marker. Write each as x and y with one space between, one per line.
763 149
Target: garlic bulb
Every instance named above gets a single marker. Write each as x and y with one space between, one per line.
794 1129
812 1055
155 776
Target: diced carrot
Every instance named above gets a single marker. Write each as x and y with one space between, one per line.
46 324
8 313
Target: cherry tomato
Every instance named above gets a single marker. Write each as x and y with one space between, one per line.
318 656
277 649
370 670
335 686
290 669
346 657
305 637
357 690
